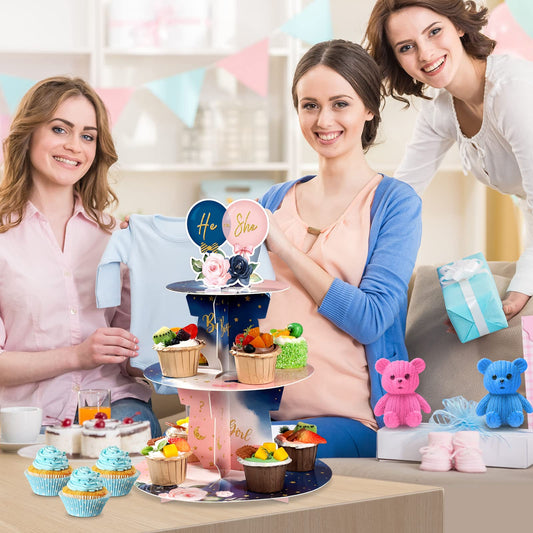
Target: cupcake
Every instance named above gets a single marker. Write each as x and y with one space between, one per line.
178 350
255 357
85 494
301 444
167 460
49 472
118 474
264 467
293 346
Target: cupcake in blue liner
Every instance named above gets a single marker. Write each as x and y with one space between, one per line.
49 472
84 495
118 475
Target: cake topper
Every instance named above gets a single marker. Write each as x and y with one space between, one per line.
243 224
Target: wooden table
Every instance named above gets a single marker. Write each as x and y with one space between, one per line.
345 504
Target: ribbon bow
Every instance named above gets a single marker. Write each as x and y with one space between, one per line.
245 251
459 414
204 248
460 270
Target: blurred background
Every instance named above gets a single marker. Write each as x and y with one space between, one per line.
199 98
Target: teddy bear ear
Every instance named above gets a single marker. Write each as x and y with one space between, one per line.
483 364
382 364
419 364
520 364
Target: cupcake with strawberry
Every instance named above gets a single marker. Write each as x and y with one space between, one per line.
255 356
301 444
167 460
264 467
293 346
178 350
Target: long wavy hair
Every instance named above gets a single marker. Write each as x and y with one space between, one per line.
356 66
36 108
463 14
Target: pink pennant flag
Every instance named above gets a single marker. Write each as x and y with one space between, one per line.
250 66
5 122
115 99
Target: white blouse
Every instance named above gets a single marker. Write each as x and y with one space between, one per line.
500 154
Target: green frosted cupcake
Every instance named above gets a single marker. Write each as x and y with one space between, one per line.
293 351
49 472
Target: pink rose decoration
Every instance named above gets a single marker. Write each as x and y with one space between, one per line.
186 494
215 270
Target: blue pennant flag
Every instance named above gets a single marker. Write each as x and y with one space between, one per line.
14 88
181 93
522 11
313 24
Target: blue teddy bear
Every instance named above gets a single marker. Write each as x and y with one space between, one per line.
503 405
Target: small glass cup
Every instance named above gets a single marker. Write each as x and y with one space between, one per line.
92 401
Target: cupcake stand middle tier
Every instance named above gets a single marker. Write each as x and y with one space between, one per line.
223 413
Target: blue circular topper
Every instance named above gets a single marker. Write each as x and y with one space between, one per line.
204 225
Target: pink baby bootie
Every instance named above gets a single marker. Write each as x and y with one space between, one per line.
437 455
467 453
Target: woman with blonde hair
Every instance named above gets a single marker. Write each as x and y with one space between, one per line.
53 231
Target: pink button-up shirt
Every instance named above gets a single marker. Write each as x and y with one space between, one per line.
47 300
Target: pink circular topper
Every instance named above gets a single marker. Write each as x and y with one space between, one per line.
245 226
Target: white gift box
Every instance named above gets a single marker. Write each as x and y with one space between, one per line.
506 447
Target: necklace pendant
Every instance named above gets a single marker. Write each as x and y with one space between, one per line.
313 231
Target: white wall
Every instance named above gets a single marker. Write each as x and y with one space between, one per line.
454 210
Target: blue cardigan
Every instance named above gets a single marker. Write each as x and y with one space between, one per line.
374 313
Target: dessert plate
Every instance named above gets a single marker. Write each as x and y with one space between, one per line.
15 446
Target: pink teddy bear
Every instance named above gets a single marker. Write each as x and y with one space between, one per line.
401 405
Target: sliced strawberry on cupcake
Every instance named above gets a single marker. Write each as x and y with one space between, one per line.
301 444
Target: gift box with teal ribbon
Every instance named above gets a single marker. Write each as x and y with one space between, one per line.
471 297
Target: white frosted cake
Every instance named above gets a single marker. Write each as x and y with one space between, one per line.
94 438
133 436
64 438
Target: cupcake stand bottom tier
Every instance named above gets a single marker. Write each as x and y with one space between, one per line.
204 486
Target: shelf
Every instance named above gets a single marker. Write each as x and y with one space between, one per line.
45 52
214 167
192 52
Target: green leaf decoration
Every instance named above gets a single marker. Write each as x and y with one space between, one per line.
255 278
196 264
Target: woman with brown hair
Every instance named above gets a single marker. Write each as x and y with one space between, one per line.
53 231
481 101
345 241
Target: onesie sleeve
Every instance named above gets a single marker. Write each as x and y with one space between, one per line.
426 149
108 275
367 311
515 123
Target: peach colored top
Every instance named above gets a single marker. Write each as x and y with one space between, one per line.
340 385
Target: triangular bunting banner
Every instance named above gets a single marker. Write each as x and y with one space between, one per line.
250 66
181 93
5 121
522 11
115 100
312 24
14 89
